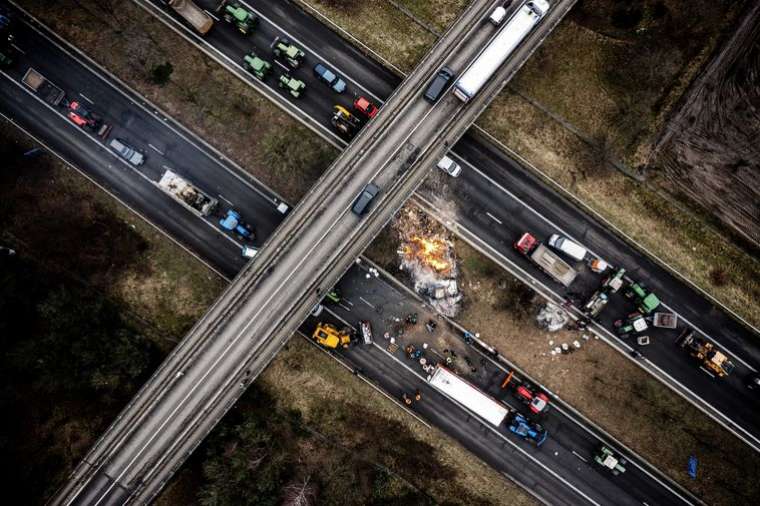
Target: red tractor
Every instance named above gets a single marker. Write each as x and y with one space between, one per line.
86 119
537 401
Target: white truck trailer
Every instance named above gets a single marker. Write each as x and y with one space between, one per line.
187 194
498 50
467 395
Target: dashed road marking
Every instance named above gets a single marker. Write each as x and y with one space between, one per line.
494 218
365 301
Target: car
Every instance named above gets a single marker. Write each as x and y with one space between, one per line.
365 107
498 15
568 247
330 78
127 152
449 166
333 296
439 84
362 202
365 329
249 251
317 309
610 460
537 401
752 381
525 429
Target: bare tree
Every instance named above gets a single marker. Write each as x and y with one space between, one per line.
300 493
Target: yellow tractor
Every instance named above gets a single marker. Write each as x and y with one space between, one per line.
330 337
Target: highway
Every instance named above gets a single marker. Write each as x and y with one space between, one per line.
497 185
306 254
81 150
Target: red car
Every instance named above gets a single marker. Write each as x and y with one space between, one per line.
538 402
364 106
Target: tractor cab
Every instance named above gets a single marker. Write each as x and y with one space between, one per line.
256 66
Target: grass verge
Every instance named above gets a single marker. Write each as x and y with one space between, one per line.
597 380
597 91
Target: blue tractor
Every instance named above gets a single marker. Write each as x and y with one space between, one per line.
523 428
233 223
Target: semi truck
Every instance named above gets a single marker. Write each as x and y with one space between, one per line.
76 111
187 194
547 260
499 48
468 396
193 14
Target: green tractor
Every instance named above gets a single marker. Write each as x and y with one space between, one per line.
287 52
256 66
239 16
645 301
610 461
292 85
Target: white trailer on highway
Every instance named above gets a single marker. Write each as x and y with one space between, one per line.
498 50
187 194
467 395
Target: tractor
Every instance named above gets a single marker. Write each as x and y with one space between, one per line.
232 222
645 301
256 66
287 52
712 360
292 85
524 429
609 460
344 122
236 14
634 323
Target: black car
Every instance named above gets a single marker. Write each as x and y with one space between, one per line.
361 205
438 85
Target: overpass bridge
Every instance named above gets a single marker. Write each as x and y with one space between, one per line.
227 349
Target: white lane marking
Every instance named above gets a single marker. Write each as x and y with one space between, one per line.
14 46
579 456
365 301
166 167
287 69
349 302
226 200
611 225
491 428
345 307
606 335
215 18
494 218
154 148
130 94
120 160
86 98
115 197
573 416
312 51
563 232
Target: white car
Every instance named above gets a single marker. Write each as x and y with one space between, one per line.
568 247
449 166
249 251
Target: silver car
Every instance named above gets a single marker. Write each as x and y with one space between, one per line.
127 152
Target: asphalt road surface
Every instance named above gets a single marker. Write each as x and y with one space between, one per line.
256 315
87 152
497 199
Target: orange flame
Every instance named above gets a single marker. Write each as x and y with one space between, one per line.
431 252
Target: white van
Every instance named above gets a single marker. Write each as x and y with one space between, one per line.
568 247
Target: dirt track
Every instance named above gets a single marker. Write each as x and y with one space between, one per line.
710 149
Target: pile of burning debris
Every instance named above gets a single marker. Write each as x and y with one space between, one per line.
427 255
